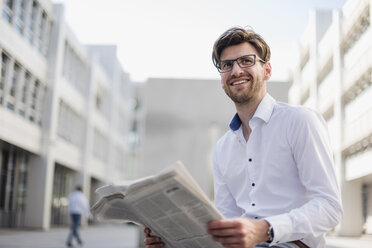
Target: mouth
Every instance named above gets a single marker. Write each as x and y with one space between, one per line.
239 82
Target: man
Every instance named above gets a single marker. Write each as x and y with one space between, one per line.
274 179
77 205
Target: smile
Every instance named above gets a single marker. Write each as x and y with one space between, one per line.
239 82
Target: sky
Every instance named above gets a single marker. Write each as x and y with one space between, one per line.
174 38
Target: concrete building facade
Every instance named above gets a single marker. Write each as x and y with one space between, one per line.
333 75
66 112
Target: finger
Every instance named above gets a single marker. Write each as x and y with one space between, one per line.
218 224
226 232
147 232
152 240
151 243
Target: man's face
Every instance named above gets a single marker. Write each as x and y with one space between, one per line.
244 85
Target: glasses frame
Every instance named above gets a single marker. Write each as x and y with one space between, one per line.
237 61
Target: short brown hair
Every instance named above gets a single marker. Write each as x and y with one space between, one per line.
236 36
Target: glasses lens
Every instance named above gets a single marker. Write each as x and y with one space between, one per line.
243 61
246 61
225 65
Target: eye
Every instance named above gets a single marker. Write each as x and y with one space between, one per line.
248 60
225 64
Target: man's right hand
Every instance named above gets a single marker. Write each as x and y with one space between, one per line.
152 241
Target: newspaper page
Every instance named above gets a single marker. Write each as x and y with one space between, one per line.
170 203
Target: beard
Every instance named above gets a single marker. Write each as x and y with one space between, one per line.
246 94
239 98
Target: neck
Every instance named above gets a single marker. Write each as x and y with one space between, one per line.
246 111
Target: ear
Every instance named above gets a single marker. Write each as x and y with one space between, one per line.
267 70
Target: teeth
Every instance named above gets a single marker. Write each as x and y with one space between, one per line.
239 82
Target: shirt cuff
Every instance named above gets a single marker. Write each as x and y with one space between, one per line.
282 227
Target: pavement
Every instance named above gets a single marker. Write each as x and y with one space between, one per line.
96 236
364 241
120 236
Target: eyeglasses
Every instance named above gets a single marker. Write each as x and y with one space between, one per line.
243 62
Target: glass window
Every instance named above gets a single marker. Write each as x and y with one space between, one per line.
9 4
34 12
34 95
24 89
15 79
8 11
4 62
22 10
6 15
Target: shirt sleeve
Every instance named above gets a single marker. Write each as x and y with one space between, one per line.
224 201
309 141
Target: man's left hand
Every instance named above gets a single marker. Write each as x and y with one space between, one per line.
238 232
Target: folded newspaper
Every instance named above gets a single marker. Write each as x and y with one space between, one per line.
170 203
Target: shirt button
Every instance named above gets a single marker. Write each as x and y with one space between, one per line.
253 184
253 204
250 160
256 217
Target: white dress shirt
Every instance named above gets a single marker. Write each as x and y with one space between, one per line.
284 173
78 203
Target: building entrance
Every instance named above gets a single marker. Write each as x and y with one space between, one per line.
62 186
13 181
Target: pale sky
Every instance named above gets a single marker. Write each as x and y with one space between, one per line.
174 38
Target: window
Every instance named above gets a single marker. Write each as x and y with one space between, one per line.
13 86
70 125
32 22
34 95
75 70
24 89
4 63
20 16
15 79
8 11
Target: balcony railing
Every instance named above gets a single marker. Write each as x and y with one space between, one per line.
357 76
357 131
356 21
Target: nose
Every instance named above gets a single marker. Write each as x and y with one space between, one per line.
236 69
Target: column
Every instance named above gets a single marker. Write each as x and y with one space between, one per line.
39 188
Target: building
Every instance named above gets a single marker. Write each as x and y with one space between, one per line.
66 111
184 119
333 75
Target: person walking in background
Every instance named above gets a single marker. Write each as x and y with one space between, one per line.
274 177
77 205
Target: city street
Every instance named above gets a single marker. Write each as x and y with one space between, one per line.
117 236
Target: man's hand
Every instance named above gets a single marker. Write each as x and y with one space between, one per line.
239 232
152 241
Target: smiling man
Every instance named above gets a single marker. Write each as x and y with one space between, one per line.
274 177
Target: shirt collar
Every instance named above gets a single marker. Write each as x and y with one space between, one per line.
263 111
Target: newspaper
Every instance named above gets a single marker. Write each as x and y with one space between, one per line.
170 203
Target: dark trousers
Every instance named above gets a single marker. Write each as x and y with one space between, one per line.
75 223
